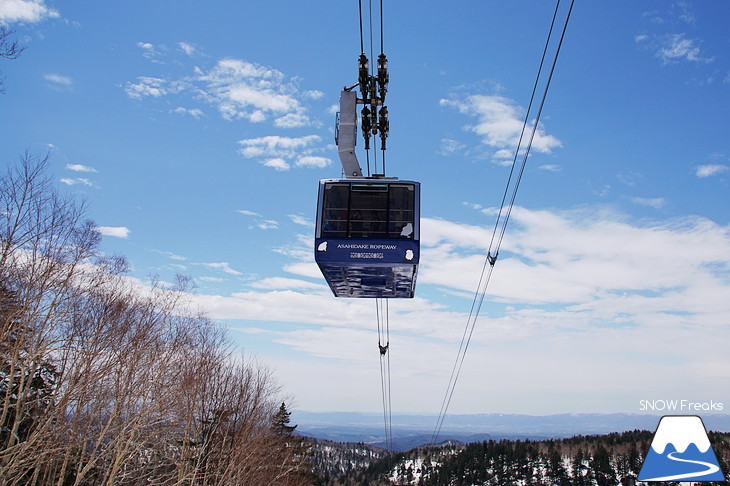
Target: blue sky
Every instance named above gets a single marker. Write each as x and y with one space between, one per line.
198 133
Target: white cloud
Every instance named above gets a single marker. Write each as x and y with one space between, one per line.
188 48
194 112
291 120
575 294
673 48
313 162
78 180
152 52
238 89
170 255
283 153
656 202
267 224
450 146
80 168
58 81
260 223
301 220
225 267
629 178
241 89
314 94
550 167
25 11
499 124
277 163
115 231
147 86
247 212
575 256
709 170
276 146
282 283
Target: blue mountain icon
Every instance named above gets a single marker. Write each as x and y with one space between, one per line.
681 451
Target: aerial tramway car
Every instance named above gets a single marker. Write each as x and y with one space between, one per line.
367 235
367 230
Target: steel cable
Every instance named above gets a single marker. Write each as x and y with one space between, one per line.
493 249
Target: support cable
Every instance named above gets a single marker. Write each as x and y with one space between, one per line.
362 44
370 84
381 310
381 27
493 249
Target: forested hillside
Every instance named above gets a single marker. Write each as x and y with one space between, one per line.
105 380
605 460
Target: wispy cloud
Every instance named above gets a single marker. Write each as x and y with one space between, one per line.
59 81
709 170
25 11
275 145
170 255
655 202
237 88
147 86
674 48
242 89
80 168
590 281
188 48
266 224
225 267
277 163
84 181
283 153
576 256
152 52
194 112
259 221
313 94
499 122
247 212
114 231
282 283
312 161
301 220
449 146
550 167
76 180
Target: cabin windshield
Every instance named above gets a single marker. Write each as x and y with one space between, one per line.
362 210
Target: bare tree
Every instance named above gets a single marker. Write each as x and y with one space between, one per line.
104 381
9 49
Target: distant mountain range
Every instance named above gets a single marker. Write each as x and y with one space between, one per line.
413 430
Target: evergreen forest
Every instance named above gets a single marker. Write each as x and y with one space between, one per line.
602 460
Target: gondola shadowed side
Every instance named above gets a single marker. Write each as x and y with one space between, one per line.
367 236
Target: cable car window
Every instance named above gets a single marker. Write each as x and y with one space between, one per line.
401 211
368 211
336 202
361 210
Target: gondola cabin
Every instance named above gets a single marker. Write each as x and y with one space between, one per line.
366 237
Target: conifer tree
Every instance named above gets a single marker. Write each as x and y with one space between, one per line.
280 422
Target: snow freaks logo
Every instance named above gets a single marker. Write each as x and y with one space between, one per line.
681 451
